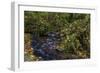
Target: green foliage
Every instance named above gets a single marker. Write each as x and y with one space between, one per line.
74 29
